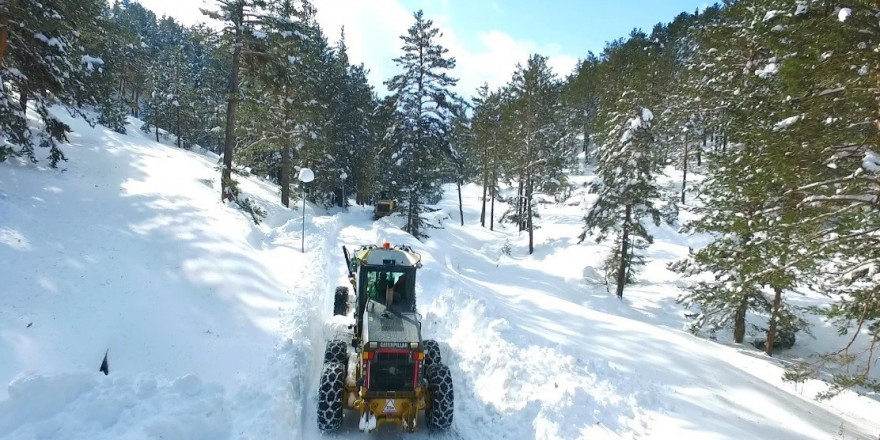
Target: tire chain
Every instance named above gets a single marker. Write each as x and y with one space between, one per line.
439 413
432 352
336 351
330 396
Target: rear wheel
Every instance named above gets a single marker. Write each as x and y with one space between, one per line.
432 352
336 351
330 396
438 414
340 301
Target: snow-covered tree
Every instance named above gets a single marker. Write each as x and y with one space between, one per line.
422 98
762 250
42 62
541 164
489 137
241 20
831 71
628 157
581 96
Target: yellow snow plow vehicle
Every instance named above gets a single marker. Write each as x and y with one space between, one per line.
386 372
384 208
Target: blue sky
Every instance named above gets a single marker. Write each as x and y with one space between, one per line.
487 37
576 26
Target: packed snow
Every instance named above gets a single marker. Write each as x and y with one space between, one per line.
787 122
214 327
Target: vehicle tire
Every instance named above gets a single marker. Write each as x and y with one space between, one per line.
336 351
438 414
330 396
340 301
432 352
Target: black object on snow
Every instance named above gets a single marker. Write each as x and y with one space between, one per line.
104 367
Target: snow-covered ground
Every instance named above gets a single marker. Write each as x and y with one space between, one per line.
214 327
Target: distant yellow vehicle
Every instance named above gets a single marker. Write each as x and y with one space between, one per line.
384 208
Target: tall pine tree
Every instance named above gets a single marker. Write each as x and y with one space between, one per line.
422 99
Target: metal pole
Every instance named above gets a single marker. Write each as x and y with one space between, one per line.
305 176
304 218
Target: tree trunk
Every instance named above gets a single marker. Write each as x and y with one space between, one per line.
485 184
460 207
529 214
284 178
492 210
231 104
411 223
4 36
586 144
179 140
774 318
156 118
23 100
624 248
739 319
684 177
520 195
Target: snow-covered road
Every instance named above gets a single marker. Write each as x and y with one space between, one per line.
216 327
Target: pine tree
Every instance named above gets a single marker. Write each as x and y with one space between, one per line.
240 18
171 80
210 64
133 49
42 62
422 100
357 133
341 108
540 138
487 133
762 249
281 94
581 97
628 157
831 72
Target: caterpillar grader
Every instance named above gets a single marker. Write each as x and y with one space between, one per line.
384 208
386 371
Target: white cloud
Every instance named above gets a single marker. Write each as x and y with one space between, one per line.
373 29
496 60
372 32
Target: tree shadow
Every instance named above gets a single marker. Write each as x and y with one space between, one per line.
132 245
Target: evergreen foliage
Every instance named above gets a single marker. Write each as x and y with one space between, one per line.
538 134
422 111
43 61
773 102
629 155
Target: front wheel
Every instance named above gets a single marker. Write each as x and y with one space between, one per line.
438 415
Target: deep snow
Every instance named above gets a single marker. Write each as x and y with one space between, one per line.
215 327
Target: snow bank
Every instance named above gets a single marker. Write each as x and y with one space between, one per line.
89 406
216 327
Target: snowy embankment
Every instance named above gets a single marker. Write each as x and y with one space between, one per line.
208 319
215 327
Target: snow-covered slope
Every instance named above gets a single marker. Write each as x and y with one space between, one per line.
215 327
